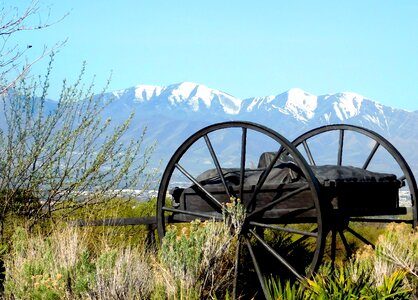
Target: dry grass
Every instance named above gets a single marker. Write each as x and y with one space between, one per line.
396 251
197 261
123 274
64 265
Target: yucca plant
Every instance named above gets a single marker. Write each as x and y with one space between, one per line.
284 291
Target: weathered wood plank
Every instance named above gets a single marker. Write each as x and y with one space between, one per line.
117 222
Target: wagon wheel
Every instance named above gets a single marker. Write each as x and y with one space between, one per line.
259 216
341 224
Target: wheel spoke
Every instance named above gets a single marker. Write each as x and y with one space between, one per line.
217 165
194 180
276 255
236 270
305 237
308 152
372 153
333 246
277 201
191 213
262 179
345 243
213 202
361 238
340 147
290 230
243 158
257 268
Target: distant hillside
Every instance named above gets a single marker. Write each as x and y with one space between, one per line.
174 112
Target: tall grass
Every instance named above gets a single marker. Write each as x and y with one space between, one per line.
67 265
195 261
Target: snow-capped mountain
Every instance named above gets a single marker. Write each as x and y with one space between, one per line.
174 112
295 102
325 109
184 97
192 101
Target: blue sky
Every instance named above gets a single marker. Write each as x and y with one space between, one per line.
244 48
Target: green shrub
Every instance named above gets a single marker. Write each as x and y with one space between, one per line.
351 281
279 290
196 261
354 281
386 272
64 266
396 251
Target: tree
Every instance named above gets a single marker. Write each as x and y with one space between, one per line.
56 153
12 61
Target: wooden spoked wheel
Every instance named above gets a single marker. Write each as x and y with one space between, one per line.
374 148
272 211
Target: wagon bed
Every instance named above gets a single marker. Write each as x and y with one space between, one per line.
349 190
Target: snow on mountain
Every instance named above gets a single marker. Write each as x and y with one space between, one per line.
295 102
294 108
191 98
345 105
306 107
301 104
174 112
185 96
199 96
146 92
299 107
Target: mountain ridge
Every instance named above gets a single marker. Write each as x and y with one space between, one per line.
293 101
174 112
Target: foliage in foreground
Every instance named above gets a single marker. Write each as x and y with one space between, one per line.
351 281
194 262
387 272
63 152
191 264
66 265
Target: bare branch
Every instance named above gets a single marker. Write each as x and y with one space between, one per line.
13 21
18 22
26 68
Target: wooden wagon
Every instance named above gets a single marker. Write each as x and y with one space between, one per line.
286 191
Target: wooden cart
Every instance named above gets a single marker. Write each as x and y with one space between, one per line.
288 191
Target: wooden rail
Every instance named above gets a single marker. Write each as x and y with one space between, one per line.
149 222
